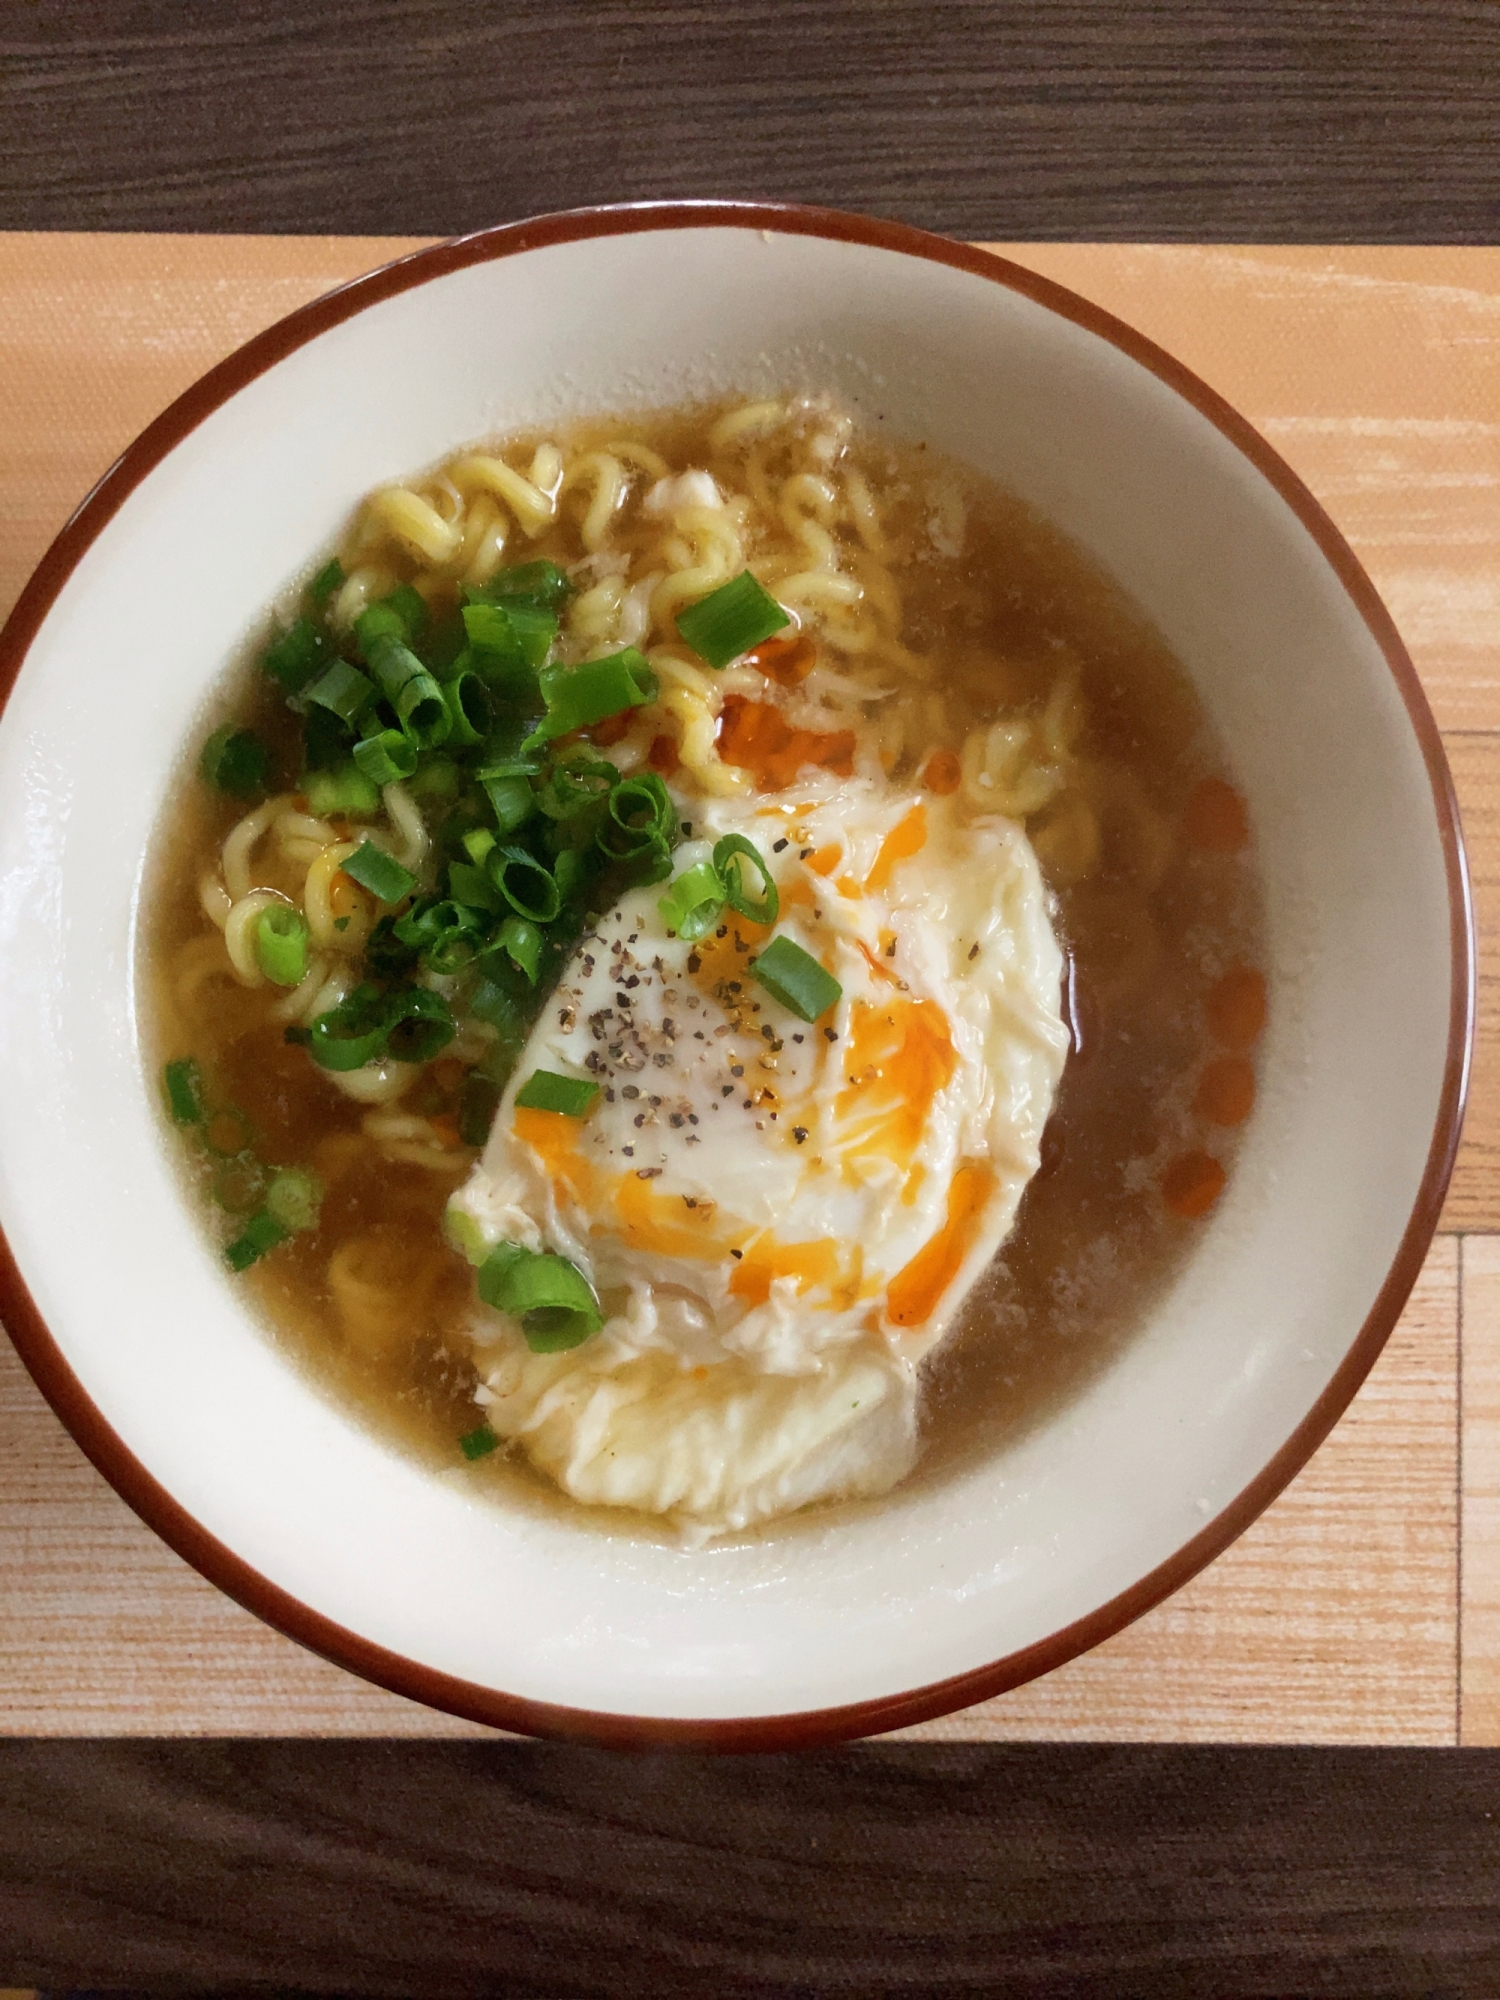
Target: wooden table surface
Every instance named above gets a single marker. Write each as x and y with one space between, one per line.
1364 1609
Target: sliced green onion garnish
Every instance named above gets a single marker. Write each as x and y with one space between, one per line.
373 869
577 696
344 691
235 761
347 1036
183 1082
545 1090
477 843
473 888
293 1199
523 943
541 583
576 781
411 691
691 906
328 579
344 791
281 944
551 1298
478 1097
469 708
261 1233
795 978
478 1443
729 856
513 801
730 620
437 781
525 883
386 757
410 606
419 1023
300 653
640 814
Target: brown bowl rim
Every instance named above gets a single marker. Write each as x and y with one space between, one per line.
810 1728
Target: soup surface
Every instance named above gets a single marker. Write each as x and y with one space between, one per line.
936 642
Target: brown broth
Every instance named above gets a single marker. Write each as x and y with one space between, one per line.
1151 935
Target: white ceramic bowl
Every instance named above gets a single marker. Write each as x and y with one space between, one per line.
945 1593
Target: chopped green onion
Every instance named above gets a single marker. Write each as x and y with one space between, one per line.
385 952
691 906
575 782
525 883
410 606
469 708
419 1024
795 978
578 696
328 579
373 869
478 1443
345 792
297 655
387 757
729 854
508 636
730 620
545 1090
641 813
344 691
183 1083
551 1298
477 843
473 888
541 583
570 870
235 761
293 1199
281 944
513 801
347 1036
325 740
523 942
411 691
261 1233
437 780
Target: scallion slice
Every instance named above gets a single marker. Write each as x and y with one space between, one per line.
328 579
513 801
545 1090
730 620
261 1233
691 906
478 1443
641 813
386 757
419 1024
473 888
373 869
729 856
525 883
281 944
293 1199
411 691
297 655
575 782
552 1299
235 761
470 710
795 978
347 1036
541 583
344 691
522 941
345 792
183 1082
577 696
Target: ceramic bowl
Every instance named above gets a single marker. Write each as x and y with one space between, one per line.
943 1593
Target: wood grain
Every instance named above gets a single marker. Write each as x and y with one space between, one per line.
1171 119
1336 1618
1479 1720
1056 1873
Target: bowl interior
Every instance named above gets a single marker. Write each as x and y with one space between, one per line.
936 1581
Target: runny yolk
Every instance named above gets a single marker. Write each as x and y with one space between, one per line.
825 859
916 1289
551 1136
664 1225
755 737
907 837
900 1055
810 1264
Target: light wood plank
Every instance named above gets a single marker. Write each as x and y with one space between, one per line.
1480 1392
1474 1198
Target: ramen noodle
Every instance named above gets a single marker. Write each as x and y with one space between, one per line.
710 962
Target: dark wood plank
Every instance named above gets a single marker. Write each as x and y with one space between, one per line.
941 1870
1263 120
